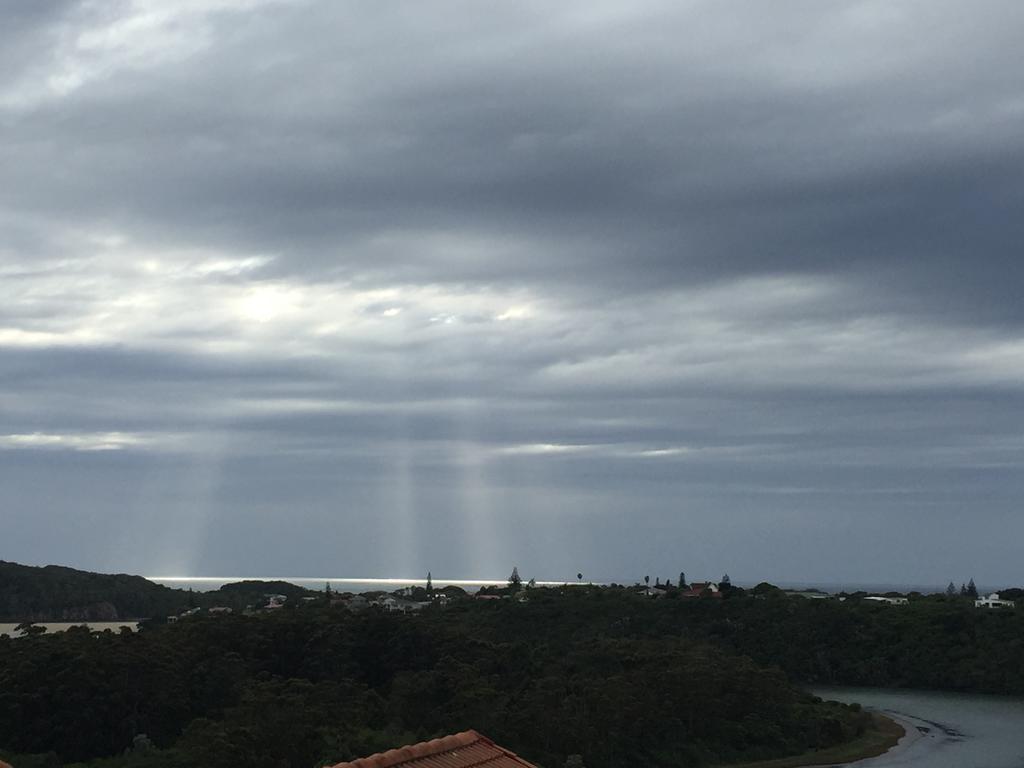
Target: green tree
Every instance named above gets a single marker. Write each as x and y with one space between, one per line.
29 629
515 581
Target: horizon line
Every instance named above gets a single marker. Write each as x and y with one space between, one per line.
352 580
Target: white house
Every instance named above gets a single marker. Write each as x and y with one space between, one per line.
887 600
393 604
993 601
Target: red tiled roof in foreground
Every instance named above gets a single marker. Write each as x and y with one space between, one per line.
463 750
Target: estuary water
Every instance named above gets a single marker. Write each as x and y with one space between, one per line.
945 730
63 626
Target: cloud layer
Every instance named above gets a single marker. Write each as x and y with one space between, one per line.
318 288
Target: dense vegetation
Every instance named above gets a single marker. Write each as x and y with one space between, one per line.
935 642
57 593
604 672
563 673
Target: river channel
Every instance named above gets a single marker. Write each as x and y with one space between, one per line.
945 730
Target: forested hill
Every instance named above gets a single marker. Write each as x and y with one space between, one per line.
314 684
552 672
56 593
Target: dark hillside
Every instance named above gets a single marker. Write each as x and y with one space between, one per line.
56 593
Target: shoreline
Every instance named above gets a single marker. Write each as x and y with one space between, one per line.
891 733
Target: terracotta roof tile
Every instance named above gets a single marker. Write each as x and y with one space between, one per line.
461 750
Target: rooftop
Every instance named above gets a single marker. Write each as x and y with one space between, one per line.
462 750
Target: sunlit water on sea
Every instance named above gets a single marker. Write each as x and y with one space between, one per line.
204 583
945 730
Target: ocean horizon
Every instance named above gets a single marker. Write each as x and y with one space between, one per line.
371 584
341 584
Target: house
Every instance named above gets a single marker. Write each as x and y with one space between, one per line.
219 610
393 604
808 594
993 601
355 603
658 590
887 600
698 588
468 749
185 615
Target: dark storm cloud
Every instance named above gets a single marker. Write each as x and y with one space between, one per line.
577 144
426 266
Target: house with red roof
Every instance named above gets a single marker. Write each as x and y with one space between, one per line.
697 589
468 749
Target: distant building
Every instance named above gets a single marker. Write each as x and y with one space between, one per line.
653 591
698 588
887 600
356 603
393 604
993 601
463 750
809 594
185 615
219 610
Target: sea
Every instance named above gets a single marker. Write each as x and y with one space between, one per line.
369 584
337 584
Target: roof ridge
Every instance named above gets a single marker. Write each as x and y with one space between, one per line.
404 754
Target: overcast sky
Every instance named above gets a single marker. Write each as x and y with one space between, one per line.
367 289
